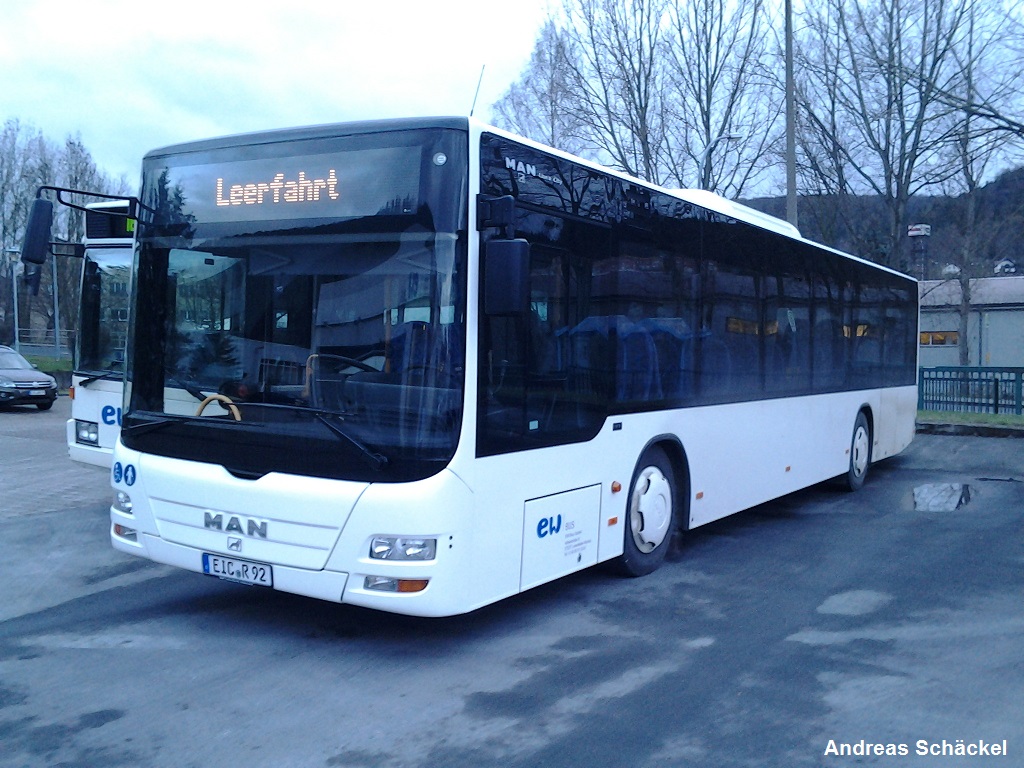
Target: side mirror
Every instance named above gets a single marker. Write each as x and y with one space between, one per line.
507 277
37 232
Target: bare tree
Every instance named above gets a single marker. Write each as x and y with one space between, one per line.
613 56
726 102
996 98
538 104
888 63
823 159
594 85
678 93
28 160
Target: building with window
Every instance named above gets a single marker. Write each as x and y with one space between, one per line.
995 327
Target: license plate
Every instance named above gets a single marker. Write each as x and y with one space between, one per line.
36 392
244 571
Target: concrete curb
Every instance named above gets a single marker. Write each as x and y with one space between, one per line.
969 430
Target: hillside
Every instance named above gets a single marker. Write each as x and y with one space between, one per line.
858 224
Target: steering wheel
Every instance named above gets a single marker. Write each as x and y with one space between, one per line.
220 399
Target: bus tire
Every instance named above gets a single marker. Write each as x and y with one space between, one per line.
860 453
650 514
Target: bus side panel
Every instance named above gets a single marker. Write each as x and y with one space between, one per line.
896 423
745 454
560 535
548 512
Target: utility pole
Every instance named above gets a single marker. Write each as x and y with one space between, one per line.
56 309
13 253
791 207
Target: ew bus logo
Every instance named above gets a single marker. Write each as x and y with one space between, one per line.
110 415
548 525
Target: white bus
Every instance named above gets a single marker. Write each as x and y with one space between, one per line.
423 365
96 381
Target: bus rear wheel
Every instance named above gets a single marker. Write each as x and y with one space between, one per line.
860 453
650 516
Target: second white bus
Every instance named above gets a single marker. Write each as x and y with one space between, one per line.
96 381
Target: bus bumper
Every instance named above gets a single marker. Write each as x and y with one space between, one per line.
323 585
87 454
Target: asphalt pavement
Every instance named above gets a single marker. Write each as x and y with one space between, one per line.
821 629
36 475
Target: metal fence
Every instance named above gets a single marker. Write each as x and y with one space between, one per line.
970 390
41 343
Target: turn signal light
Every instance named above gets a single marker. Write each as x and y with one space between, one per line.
389 584
123 532
412 585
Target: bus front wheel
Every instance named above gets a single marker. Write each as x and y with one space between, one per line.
650 517
860 453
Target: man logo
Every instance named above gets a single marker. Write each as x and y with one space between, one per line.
255 528
234 545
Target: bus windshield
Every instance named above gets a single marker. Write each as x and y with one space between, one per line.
318 333
103 324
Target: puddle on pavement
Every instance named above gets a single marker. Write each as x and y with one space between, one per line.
857 602
941 497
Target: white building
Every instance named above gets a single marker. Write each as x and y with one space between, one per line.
995 328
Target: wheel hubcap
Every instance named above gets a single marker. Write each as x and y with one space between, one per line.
651 509
860 451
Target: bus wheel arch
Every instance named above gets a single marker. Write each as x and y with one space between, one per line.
656 508
860 449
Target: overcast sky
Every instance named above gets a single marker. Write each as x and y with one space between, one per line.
131 76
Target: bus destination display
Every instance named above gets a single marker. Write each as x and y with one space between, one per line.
346 184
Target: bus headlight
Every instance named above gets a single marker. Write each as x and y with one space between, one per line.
123 502
87 432
402 548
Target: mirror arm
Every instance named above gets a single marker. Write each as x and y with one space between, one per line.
134 204
497 212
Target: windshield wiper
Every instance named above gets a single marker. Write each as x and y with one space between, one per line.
97 376
329 419
149 426
334 422
377 461
192 389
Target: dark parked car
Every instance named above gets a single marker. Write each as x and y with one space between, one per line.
21 383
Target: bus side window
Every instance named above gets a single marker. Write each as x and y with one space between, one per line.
730 361
787 334
542 381
866 331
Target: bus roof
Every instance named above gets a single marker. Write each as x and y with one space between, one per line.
701 197
312 132
706 199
